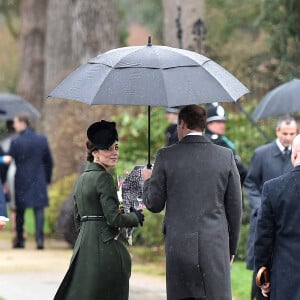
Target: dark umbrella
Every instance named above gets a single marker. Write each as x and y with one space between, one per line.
150 75
11 105
284 99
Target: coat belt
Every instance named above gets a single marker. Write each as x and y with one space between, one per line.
91 218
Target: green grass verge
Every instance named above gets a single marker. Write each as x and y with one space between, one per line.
241 280
29 223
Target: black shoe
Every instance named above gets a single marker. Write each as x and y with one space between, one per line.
18 245
40 245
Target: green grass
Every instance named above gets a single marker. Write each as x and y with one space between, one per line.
29 223
241 280
152 261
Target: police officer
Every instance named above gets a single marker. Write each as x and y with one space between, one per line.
215 129
171 131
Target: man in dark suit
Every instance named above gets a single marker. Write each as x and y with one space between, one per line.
268 161
33 173
199 184
277 238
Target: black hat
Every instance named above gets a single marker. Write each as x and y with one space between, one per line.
102 134
215 112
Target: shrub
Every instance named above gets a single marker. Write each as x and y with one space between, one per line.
58 193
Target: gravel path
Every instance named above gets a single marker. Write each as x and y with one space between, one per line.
30 274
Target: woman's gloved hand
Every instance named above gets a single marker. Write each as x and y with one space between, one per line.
139 214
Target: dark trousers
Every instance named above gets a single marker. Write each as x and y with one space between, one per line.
39 224
256 291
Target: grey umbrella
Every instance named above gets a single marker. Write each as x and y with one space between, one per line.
150 75
11 105
284 99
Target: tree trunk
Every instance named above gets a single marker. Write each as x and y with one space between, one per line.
32 40
86 28
184 24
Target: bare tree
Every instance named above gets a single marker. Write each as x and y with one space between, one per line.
184 24
32 40
76 31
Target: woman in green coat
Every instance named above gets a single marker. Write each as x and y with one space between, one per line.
100 267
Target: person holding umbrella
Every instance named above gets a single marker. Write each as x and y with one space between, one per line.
100 267
199 184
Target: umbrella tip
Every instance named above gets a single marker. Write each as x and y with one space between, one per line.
149 41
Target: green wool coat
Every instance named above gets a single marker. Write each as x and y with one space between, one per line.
100 267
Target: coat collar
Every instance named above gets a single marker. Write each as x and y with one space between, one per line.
194 139
91 166
275 149
297 168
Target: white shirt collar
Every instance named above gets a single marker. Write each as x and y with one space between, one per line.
195 133
280 146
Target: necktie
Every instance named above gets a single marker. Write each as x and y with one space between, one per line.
286 153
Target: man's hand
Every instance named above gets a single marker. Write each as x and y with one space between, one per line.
232 259
265 289
146 173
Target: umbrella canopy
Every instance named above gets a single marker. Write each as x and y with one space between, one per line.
284 99
150 75
11 105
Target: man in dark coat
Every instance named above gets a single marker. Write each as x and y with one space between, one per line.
277 238
215 130
199 184
268 161
33 173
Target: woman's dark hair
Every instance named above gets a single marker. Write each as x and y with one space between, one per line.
89 151
194 116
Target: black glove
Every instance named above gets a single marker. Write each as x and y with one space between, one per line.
139 214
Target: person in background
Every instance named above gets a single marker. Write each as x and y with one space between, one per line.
215 131
199 184
277 236
100 267
5 159
171 131
8 176
34 165
268 161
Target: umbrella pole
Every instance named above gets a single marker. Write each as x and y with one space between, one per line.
265 135
149 142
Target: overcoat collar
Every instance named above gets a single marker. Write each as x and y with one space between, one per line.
297 168
275 149
91 166
194 139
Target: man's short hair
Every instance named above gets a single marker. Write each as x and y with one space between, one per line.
194 116
288 120
24 117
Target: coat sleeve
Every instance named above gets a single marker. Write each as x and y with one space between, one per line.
47 161
3 212
155 189
265 231
252 183
233 206
110 204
